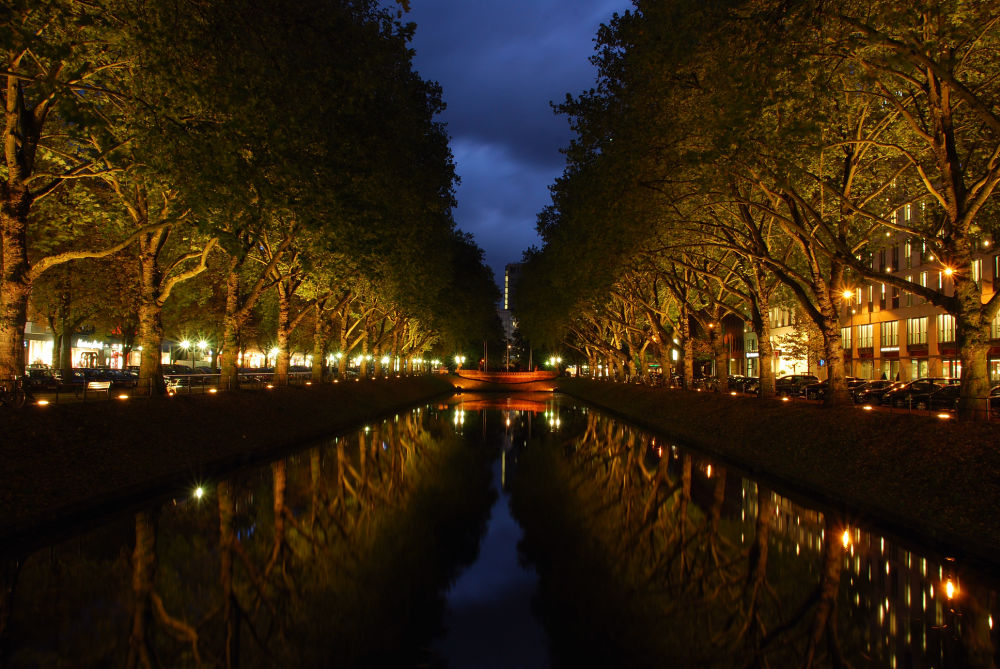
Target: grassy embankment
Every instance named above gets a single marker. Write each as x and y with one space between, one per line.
910 473
66 462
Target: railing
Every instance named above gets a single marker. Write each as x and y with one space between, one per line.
104 390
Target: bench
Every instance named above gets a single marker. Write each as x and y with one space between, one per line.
102 386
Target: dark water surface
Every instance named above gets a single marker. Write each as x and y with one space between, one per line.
492 532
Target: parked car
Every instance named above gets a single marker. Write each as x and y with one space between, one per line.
817 391
794 384
944 399
120 378
40 378
914 394
870 392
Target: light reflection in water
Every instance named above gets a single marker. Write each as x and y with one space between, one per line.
644 551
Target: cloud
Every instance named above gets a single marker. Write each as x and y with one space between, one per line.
500 64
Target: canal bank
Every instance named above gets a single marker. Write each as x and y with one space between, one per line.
915 475
69 462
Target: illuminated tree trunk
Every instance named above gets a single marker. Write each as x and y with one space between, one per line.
232 322
151 314
283 336
687 348
760 319
364 358
15 283
972 329
321 340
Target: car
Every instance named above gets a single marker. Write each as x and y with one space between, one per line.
121 378
794 384
40 379
817 391
944 399
870 392
914 394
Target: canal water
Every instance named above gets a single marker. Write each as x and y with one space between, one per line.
521 531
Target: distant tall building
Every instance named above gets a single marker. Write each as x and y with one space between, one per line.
511 276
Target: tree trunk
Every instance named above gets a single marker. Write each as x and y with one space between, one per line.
150 318
284 335
837 393
972 330
321 338
687 349
15 283
232 321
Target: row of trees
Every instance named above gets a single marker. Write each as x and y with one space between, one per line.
736 156
198 161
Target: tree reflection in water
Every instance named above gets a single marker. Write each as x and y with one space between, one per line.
334 556
647 555
651 556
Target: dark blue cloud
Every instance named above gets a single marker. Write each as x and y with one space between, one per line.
500 64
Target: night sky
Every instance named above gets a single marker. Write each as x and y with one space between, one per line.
500 64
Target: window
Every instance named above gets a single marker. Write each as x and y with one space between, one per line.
952 368
865 336
940 280
908 254
881 299
908 294
995 327
881 259
889 334
945 328
845 338
895 258
977 271
916 330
